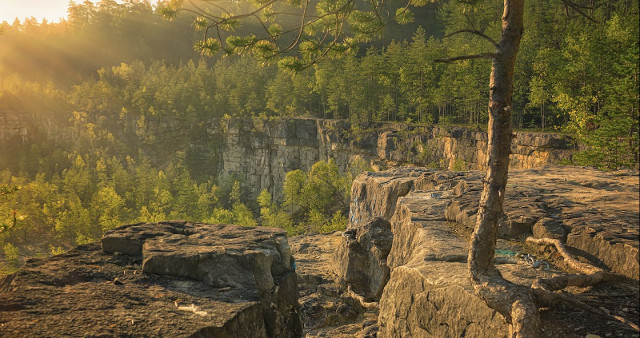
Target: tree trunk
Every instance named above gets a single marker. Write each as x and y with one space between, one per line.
514 302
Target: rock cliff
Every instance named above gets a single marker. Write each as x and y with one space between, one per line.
171 279
11 127
431 215
260 153
399 270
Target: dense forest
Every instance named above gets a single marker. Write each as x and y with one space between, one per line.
88 87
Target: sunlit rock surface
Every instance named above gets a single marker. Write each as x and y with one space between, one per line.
432 213
262 152
166 279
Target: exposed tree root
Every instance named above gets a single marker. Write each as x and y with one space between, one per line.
542 288
592 274
515 302
519 305
572 262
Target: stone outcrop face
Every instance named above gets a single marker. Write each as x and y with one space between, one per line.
432 213
260 153
167 279
433 301
12 126
327 309
362 257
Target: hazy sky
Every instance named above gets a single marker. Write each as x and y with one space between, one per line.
52 10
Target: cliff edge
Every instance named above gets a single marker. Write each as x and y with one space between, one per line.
170 279
422 283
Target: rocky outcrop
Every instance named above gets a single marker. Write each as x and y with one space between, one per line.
259 153
328 309
363 258
431 215
165 279
12 126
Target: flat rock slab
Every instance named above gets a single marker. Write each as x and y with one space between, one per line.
431 214
163 279
595 212
74 294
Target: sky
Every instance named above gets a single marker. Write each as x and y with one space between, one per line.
52 10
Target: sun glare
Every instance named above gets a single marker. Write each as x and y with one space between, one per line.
51 10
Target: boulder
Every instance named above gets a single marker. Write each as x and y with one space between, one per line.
362 258
164 279
375 194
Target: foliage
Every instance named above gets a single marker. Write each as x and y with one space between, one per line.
561 84
12 256
274 216
316 201
338 222
114 126
458 165
96 194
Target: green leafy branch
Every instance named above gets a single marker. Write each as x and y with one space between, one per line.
330 28
14 214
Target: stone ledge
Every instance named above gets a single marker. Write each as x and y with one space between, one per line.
428 286
172 279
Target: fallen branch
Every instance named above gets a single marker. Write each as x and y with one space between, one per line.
592 275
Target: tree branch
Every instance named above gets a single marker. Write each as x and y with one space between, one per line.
468 57
578 9
476 32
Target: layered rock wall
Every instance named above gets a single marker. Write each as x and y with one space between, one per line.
431 214
12 126
259 153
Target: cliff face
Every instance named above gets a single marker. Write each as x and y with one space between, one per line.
260 153
12 127
431 214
